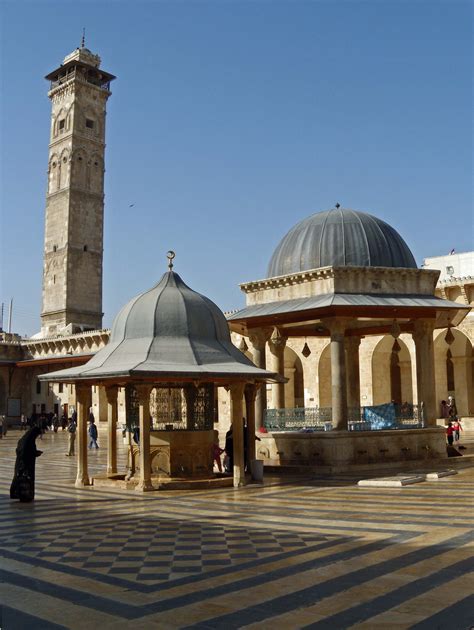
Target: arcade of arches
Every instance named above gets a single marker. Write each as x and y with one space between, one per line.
387 369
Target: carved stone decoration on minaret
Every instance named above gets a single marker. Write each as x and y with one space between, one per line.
73 241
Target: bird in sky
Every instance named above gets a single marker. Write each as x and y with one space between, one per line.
131 205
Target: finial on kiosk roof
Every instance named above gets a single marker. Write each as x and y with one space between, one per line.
83 40
170 255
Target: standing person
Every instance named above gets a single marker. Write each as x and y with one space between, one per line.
217 451
2 421
92 432
229 450
452 409
450 433
72 426
23 484
23 425
63 422
55 423
457 428
444 409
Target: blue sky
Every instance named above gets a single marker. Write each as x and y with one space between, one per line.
231 121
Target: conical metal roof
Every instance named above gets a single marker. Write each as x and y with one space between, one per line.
337 238
169 332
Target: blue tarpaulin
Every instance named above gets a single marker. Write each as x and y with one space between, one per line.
380 416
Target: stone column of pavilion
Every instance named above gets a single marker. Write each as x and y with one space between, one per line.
337 327
250 398
83 403
258 338
144 483
425 374
353 372
277 348
237 419
111 392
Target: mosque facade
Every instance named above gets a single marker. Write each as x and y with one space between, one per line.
339 274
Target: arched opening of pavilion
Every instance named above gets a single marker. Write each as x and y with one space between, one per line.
454 369
391 357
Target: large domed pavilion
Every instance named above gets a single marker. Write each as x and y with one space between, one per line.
344 275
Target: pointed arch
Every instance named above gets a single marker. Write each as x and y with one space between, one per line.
454 370
294 388
53 173
79 168
96 173
64 167
324 377
391 372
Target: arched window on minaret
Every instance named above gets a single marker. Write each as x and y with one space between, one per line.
53 174
64 169
79 168
96 173
60 122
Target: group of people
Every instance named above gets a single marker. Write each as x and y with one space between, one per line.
453 431
228 450
45 421
448 408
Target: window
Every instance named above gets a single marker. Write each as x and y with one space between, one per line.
55 248
38 387
450 270
89 123
62 124
60 388
85 248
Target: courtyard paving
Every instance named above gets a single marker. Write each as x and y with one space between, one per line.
312 552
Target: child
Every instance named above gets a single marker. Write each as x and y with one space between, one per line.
450 433
457 427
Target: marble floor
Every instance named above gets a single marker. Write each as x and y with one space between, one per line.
299 552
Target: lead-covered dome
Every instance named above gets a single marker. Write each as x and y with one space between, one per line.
337 238
169 333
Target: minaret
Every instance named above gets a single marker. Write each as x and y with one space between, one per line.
73 240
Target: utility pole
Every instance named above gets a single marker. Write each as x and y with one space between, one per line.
10 316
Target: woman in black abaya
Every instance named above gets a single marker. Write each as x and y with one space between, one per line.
23 484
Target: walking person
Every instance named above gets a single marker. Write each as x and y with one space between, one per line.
457 428
450 433
93 434
229 450
72 427
23 484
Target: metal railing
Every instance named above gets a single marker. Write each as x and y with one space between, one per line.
368 418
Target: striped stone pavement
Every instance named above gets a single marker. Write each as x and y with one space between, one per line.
312 552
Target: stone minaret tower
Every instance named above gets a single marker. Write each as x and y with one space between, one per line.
73 241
